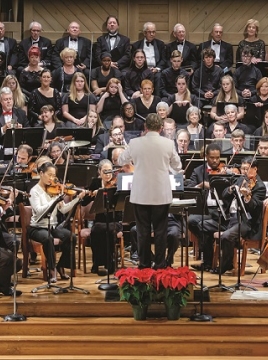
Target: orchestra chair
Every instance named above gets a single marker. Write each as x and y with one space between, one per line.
256 244
83 216
29 245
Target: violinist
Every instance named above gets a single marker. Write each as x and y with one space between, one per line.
127 168
213 153
23 157
40 201
98 231
57 152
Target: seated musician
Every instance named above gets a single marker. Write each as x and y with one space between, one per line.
23 157
104 139
9 112
169 128
116 139
98 231
56 151
173 237
127 168
263 146
237 141
7 269
38 231
252 191
183 138
213 153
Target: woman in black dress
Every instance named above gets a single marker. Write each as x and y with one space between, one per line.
110 103
146 103
138 71
132 123
30 76
62 76
98 241
44 95
102 74
181 101
50 122
77 104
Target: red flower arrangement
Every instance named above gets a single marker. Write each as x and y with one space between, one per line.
142 286
136 285
172 285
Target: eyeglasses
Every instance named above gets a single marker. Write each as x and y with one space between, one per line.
117 135
35 30
129 109
151 32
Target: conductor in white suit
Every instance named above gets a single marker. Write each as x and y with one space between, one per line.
151 193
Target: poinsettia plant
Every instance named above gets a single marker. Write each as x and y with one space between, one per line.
142 286
172 285
136 285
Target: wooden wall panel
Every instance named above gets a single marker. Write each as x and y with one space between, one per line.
198 16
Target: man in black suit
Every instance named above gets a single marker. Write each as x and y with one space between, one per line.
223 50
155 53
186 48
9 47
8 114
80 44
200 180
35 39
114 43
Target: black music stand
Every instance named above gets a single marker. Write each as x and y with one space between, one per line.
78 174
47 214
15 316
217 184
78 134
201 317
105 203
241 210
70 219
30 136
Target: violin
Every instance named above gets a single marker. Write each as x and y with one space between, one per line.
56 188
223 169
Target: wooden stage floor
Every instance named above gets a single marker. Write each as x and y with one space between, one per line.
76 303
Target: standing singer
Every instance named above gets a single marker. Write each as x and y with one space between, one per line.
151 193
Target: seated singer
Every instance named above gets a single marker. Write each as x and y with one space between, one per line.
40 201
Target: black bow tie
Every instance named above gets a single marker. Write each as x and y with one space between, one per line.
2 40
35 42
112 35
74 39
148 43
179 42
216 42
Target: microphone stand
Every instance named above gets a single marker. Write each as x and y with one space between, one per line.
221 213
241 210
47 214
201 317
15 316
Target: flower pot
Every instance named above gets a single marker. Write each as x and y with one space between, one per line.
139 313
173 312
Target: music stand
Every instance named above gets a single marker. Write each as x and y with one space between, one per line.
217 185
47 214
15 316
105 203
78 134
70 219
78 174
241 210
